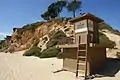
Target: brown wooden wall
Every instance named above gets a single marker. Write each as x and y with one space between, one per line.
96 33
96 58
70 53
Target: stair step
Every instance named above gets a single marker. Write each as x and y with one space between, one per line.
81 63
81 57
81 67
82 44
81 71
82 50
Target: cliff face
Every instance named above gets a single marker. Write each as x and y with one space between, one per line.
47 34
25 37
113 35
113 52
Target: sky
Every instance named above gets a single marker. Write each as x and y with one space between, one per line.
16 13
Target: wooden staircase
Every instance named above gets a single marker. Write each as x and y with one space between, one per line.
82 52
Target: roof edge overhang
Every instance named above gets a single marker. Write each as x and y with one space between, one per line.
86 16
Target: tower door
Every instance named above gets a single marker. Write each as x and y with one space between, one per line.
83 38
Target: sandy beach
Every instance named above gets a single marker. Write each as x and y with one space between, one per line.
18 67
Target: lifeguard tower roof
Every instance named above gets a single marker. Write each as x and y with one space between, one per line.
86 16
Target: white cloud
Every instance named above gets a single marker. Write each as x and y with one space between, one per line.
2 35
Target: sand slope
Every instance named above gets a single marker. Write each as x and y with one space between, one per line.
17 67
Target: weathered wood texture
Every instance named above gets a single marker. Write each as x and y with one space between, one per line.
96 59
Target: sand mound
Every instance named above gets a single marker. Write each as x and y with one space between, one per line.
17 67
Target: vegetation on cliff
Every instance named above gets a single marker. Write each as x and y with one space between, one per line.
54 9
34 51
74 6
2 43
55 38
118 55
106 41
47 53
51 51
31 26
106 26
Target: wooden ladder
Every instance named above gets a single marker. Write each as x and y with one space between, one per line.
82 58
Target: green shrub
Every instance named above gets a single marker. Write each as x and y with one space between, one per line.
34 51
2 43
59 35
20 31
59 56
47 53
118 55
104 25
36 42
52 43
105 40
67 29
14 29
51 52
0 46
61 19
8 37
58 20
32 26
55 39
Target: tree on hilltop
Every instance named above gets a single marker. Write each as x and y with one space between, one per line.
54 10
73 6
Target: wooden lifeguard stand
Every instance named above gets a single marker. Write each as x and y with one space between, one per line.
86 33
86 56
